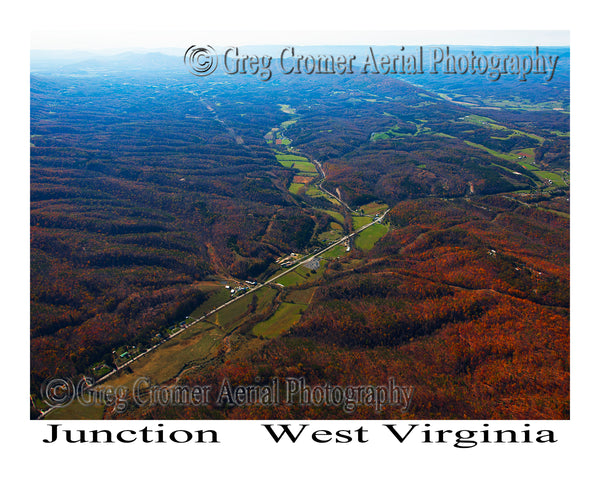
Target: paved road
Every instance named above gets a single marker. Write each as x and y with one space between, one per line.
248 292
301 262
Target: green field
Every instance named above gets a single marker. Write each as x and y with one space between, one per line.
495 153
358 222
528 166
234 315
335 252
373 208
313 191
288 156
331 235
391 133
219 297
291 278
333 214
286 315
287 109
295 188
556 179
301 166
300 295
480 120
369 236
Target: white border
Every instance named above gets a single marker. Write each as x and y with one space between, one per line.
243 451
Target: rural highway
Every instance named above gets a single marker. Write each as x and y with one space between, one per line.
250 291
271 280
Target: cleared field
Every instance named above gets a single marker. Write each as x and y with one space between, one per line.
284 318
528 166
373 208
368 237
229 316
481 120
287 109
331 235
313 191
289 157
556 179
332 213
303 296
495 153
295 188
219 297
301 166
233 315
335 252
358 222
291 278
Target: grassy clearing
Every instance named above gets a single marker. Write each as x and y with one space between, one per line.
288 123
333 214
219 297
288 156
295 188
358 222
292 278
366 239
528 166
391 133
481 120
373 208
495 153
556 179
301 166
286 109
488 122
335 252
330 235
234 315
303 296
229 316
282 320
313 191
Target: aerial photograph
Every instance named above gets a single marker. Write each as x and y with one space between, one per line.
301 231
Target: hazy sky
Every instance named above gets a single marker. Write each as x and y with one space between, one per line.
119 39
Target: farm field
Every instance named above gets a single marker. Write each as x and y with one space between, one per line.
301 166
366 239
359 222
286 315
